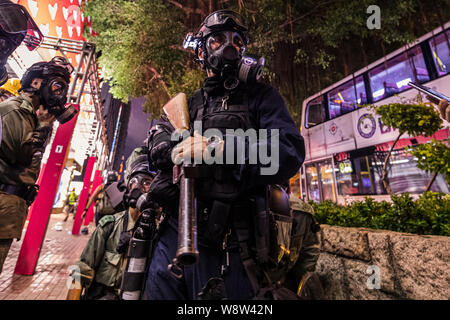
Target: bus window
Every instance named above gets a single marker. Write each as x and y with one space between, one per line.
326 177
405 176
315 112
312 182
354 176
294 185
346 97
392 76
319 181
342 100
440 49
360 91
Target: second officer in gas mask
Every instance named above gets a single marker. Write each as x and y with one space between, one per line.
103 260
26 122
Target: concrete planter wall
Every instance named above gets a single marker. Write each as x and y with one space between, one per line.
359 263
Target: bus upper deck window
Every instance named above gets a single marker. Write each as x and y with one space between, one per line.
440 49
392 76
346 97
342 100
315 113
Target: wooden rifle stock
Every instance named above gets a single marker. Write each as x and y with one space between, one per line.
187 253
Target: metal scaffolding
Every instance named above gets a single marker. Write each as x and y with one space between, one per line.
85 80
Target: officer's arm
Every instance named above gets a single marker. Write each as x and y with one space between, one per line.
24 144
94 196
160 147
284 144
94 251
309 254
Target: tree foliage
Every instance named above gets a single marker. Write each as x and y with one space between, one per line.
433 157
307 44
414 119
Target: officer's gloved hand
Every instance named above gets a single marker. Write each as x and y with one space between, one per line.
197 149
124 241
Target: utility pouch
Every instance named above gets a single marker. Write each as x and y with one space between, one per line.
217 222
261 224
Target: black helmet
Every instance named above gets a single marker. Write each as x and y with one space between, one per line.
137 163
222 20
136 167
57 67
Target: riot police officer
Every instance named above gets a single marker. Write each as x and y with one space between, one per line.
25 124
226 195
102 262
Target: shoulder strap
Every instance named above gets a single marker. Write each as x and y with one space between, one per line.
1 133
106 219
197 105
125 221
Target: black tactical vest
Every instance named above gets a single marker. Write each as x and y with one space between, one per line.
223 112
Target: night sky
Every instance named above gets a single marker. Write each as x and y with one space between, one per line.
138 126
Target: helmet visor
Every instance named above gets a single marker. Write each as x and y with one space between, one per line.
141 182
219 39
15 19
58 87
225 17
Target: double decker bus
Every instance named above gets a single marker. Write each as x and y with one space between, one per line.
345 140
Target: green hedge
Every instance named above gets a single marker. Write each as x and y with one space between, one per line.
429 214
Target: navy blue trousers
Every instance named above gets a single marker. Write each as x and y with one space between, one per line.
162 285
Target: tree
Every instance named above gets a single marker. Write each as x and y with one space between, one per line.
307 44
433 157
413 119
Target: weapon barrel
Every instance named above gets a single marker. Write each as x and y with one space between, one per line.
177 113
187 252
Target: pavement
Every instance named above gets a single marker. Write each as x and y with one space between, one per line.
60 250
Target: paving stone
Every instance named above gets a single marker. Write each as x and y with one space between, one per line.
59 251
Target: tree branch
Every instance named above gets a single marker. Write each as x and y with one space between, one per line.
160 79
179 5
385 173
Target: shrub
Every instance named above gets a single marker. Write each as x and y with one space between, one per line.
429 214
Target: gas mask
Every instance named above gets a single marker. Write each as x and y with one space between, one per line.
55 77
224 55
223 36
223 52
53 95
137 186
